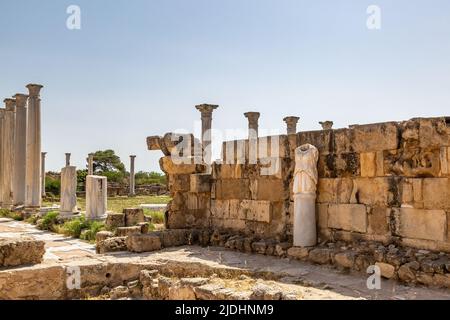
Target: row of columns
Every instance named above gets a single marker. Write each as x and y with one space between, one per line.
20 150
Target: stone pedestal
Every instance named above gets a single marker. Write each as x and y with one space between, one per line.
8 152
20 148
33 158
96 197
68 191
132 181
304 190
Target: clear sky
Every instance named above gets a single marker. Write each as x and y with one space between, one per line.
137 67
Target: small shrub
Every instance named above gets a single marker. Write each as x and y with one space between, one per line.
73 227
4 213
49 221
157 216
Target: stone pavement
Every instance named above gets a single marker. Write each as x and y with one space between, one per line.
317 282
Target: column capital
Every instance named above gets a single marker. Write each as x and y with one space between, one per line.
34 89
10 104
43 153
21 99
326 125
252 116
291 120
132 156
206 109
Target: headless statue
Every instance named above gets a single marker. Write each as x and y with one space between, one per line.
304 189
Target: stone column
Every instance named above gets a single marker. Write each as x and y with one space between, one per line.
96 197
33 159
20 150
2 121
291 123
132 181
206 111
90 164
68 159
304 190
253 118
8 152
326 125
43 154
68 191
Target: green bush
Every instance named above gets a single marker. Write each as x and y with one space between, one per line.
49 221
52 185
10 214
157 216
80 228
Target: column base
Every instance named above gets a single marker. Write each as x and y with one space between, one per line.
69 215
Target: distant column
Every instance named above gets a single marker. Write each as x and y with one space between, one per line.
206 111
20 150
291 124
68 159
326 125
253 125
132 181
90 164
33 171
43 154
8 148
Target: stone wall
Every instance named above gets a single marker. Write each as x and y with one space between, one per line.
382 182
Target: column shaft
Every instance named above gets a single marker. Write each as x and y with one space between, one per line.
132 181
20 150
8 155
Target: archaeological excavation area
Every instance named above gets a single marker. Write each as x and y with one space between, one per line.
350 213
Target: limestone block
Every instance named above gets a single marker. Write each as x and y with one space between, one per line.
230 171
270 189
173 237
436 193
181 144
133 216
220 209
114 220
127 231
20 251
103 235
320 256
234 224
200 182
322 215
444 160
421 224
298 253
179 182
185 165
236 210
342 141
374 137
113 244
326 190
227 189
154 143
372 164
96 197
257 210
349 217
387 270
318 138
345 259
433 132
143 243
374 191
378 220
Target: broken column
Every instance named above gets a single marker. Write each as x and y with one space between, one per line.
33 157
96 197
43 154
326 125
68 191
8 152
132 181
252 136
90 164
20 149
67 159
304 189
291 124
206 111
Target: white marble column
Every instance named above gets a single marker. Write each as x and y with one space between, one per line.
68 159
96 197
132 181
90 164
33 170
304 190
206 111
2 125
20 150
43 154
291 124
8 152
68 191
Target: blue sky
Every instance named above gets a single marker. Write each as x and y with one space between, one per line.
137 68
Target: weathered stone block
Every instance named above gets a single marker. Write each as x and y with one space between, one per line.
326 190
200 182
345 259
143 243
154 142
227 189
299 253
114 220
422 224
257 210
220 208
387 270
127 231
433 132
374 137
190 165
113 244
373 191
322 215
173 237
378 219
133 216
179 182
372 164
318 138
436 193
103 235
230 171
350 217
20 251
320 256
271 189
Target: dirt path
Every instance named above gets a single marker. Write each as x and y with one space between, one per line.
315 282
